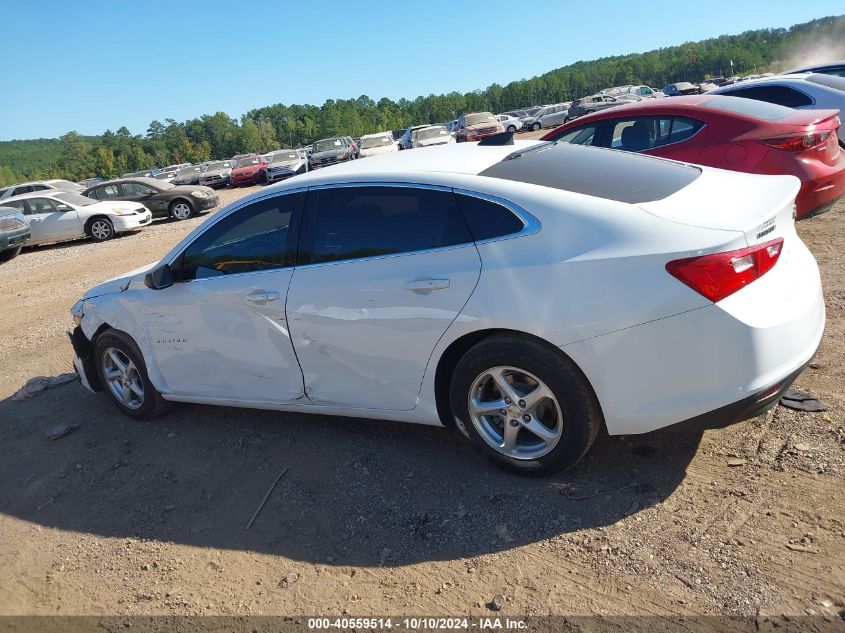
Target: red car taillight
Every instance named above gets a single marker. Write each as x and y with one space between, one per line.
798 142
719 275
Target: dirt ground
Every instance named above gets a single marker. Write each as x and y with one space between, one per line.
375 518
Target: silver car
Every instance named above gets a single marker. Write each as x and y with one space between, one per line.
431 135
548 116
217 174
284 164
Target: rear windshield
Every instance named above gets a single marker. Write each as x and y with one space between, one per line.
749 107
376 141
594 171
831 81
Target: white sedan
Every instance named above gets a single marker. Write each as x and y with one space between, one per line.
375 144
510 123
56 216
516 292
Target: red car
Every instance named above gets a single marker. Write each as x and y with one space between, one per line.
248 171
730 133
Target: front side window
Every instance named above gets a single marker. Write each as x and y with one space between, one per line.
41 205
257 237
357 222
136 189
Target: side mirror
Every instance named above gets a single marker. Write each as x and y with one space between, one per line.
160 278
63 207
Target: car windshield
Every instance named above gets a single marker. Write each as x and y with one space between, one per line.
431 132
74 198
188 171
829 81
221 165
284 157
480 117
326 145
749 107
248 162
376 141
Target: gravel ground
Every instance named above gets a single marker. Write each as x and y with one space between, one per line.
376 518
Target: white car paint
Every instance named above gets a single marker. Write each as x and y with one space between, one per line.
587 275
39 185
65 215
386 145
821 97
509 122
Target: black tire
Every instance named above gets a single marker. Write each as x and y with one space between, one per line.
177 209
512 129
153 404
579 406
535 126
10 254
100 229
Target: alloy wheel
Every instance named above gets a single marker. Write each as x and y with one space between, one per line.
123 379
181 211
101 229
515 413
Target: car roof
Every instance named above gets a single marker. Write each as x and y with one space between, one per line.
44 193
142 179
815 67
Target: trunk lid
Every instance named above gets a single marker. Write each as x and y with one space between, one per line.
761 207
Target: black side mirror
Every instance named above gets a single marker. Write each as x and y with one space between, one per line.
160 278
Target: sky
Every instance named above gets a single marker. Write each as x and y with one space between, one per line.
100 64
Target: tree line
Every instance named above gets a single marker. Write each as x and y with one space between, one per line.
75 157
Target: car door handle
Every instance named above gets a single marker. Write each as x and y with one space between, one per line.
426 285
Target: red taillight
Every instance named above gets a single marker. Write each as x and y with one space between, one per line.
798 142
719 275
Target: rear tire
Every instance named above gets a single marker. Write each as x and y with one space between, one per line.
181 210
552 418
123 374
101 229
512 129
535 126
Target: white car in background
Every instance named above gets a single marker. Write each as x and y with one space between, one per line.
804 91
57 216
430 136
510 123
374 144
528 294
40 185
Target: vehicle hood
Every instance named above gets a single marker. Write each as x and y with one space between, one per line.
437 140
217 172
120 283
382 149
482 126
249 169
285 163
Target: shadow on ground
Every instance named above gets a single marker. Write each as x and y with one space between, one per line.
356 492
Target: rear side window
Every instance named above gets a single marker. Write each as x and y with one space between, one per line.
641 133
257 237
487 219
357 222
780 95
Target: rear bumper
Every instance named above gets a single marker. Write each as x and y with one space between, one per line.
714 365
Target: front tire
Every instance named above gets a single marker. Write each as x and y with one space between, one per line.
123 374
101 229
525 406
181 210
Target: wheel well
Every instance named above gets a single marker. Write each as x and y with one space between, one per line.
450 357
90 221
175 200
